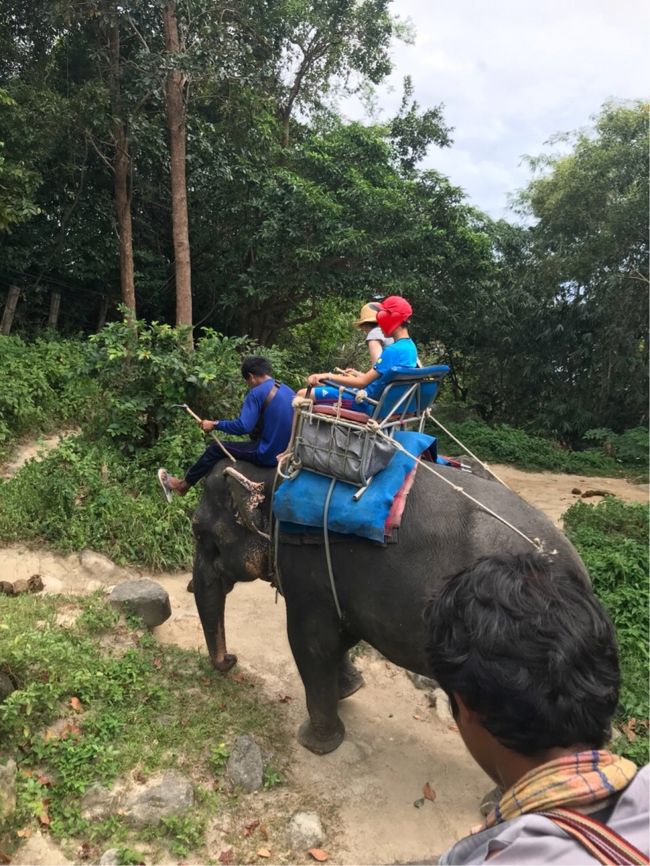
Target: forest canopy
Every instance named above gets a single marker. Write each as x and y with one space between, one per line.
187 160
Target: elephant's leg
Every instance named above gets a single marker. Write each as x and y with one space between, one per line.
350 677
210 598
316 646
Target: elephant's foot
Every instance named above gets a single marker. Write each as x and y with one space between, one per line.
350 681
223 666
318 744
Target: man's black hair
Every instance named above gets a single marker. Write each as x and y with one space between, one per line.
255 365
528 646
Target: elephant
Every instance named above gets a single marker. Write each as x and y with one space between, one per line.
383 590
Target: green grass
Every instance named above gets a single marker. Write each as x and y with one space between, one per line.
612 539
88 494
130 706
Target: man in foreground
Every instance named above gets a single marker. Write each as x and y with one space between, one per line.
266 418
528 658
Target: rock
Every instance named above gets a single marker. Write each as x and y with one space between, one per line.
589 493
144 597
420 682
111 857
7 788
99 567
39 850
442 707
306 831
98 803
489 802
7 685
576 491
245 765
170 794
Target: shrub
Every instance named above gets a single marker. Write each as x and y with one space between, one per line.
503 444
41 385
612 539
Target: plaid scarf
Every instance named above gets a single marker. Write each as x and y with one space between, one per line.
570 782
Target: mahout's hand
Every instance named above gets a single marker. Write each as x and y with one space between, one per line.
207 426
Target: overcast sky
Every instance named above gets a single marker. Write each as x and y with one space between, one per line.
512 73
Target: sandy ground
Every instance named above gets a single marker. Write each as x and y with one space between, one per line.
395 741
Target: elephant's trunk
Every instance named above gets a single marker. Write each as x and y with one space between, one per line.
210 596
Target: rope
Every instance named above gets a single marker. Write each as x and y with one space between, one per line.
373 425
328 552
465 448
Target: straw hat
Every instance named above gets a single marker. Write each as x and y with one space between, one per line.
368 314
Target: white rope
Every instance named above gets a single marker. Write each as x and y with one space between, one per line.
465 448
373 425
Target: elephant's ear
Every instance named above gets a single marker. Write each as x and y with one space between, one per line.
247 496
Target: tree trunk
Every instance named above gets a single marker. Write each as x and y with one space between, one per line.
176 122
10 308
55 306
103 309
121 170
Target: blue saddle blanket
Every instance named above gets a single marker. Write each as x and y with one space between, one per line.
301 500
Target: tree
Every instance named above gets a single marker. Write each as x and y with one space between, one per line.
591 249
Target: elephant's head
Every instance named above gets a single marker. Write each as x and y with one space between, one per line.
232 544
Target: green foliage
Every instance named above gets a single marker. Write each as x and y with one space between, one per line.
41 386
84 494
612 539
504 444
96 701
631 448
144 369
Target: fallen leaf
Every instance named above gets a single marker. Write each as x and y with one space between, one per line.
238 678
25 833
263 852
284 699
453 728
75 703
429 793
318 854
419 718
227 856
157 663
629 730
264 833
44 780
419 803
248 829
44 818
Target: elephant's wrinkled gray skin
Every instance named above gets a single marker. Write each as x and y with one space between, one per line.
382 590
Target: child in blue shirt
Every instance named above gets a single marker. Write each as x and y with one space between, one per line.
392 317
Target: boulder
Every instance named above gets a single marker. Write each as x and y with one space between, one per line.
162 797
144 597
7 788
110 857
305 831
421 682
98 803
442 707
245 765
7 685
39 850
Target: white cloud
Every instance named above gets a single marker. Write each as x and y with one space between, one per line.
511 73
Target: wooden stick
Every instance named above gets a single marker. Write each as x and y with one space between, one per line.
214 435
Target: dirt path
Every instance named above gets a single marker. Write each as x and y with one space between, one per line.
553 494
395 741
29 450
